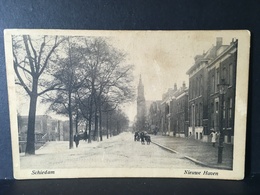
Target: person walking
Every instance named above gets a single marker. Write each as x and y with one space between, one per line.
213 137
76 139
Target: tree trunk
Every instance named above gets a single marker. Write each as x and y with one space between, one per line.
100 120
71 122
110 129
76 121
107 126
89 127
90 119
30 144
96 119
86 130
96 125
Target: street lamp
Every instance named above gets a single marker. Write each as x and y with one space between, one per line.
222 90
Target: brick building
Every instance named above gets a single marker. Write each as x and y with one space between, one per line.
174 112
181 112
198 101
223 69
154 116
219 62
167 111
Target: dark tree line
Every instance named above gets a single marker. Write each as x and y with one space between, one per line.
84 78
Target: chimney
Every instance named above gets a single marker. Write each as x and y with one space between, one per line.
183 85
218 42
175 87
234 40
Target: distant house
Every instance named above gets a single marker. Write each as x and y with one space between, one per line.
154 116
168 107
174 111
46 129
181 112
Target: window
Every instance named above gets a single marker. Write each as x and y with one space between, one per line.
193 88
216 82
190 90
230 112
197 113
201 86
167 109
213 84
224 109
197 87
224 73
201 115
217 78
190 111
230 78
230 107
216 107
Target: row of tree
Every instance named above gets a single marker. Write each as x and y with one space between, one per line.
85 78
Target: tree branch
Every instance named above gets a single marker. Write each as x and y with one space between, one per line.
19 76
25 39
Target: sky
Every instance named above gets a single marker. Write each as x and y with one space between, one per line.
162 58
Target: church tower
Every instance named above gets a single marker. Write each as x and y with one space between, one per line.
141 108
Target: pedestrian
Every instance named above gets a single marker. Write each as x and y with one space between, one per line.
213 137
76 139
142 138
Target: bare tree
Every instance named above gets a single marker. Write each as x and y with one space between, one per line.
68 75
31 57
96 73
108 76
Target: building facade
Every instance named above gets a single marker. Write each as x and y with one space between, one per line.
181 112
218 63
174 112
198 105
222 70
46 129
154 116
167 107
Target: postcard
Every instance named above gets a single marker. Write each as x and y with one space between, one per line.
99 103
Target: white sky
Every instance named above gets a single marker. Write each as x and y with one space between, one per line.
161 57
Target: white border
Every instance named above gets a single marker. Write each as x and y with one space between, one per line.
237 173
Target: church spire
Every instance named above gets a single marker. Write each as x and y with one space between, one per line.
141 106
140 92
140 80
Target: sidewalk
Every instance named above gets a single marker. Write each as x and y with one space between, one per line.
202 153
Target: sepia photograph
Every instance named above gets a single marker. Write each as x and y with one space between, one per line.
86 103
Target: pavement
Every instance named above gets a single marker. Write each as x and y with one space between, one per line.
202 153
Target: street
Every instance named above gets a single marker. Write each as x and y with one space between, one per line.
116 152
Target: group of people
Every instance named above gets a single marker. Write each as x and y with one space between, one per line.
143 136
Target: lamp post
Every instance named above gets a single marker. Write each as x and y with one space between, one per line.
222 90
